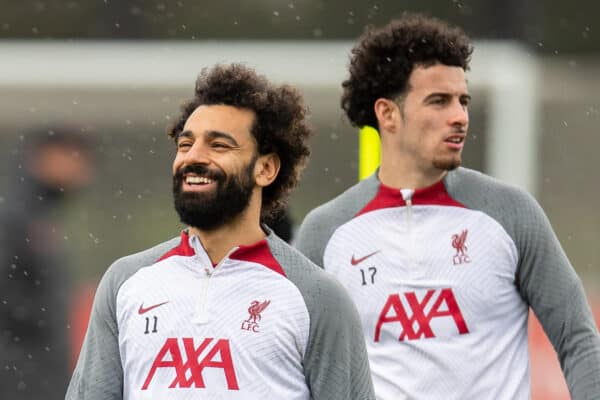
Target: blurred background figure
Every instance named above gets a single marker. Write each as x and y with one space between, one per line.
50 164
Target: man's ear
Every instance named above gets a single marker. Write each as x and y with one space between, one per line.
266 169
387 113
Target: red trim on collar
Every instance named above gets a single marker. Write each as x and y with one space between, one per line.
259 253
182 249
434 195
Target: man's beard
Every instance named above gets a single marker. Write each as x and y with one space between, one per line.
447 164
211 210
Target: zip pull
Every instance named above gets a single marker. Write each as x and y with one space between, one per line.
407 195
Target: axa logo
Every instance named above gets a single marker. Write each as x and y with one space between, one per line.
412 318
256 307
188 371
459 244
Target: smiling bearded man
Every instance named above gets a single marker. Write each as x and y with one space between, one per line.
227 310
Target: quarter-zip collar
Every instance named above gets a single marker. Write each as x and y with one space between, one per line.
259 252
388 197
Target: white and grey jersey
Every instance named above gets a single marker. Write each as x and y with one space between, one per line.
263 323
443 278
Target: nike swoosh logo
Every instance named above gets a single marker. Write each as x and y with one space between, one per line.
143 310
356 261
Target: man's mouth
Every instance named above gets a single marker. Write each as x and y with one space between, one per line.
456 139
455 142
197 180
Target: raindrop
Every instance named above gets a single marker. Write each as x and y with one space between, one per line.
276 13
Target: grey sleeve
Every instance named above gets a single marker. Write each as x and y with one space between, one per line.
336 364
320 224
550 285
312 237
98 374
545 278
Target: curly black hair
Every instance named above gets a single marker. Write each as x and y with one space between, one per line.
280 125
384 58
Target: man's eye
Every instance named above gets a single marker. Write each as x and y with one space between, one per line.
220 145
183 145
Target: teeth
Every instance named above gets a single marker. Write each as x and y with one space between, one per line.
455 140
194 180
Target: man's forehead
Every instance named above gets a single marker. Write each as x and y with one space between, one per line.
438 77
219 117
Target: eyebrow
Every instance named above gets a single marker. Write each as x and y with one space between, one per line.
222 135
446 95
210 135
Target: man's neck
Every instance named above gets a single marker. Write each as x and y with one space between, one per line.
244 230
402 175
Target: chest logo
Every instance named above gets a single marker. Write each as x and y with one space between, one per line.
187 360
411 315
144 310
256 307
459 243
356 261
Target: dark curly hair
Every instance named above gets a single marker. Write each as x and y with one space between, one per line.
280 126
384 58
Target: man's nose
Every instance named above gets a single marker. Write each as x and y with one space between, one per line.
459 115
197 154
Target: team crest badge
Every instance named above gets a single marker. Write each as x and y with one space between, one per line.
459 243
255 310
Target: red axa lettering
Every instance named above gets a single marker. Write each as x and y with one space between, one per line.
210 353
417 325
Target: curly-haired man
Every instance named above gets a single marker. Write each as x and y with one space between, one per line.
228 310
443 262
